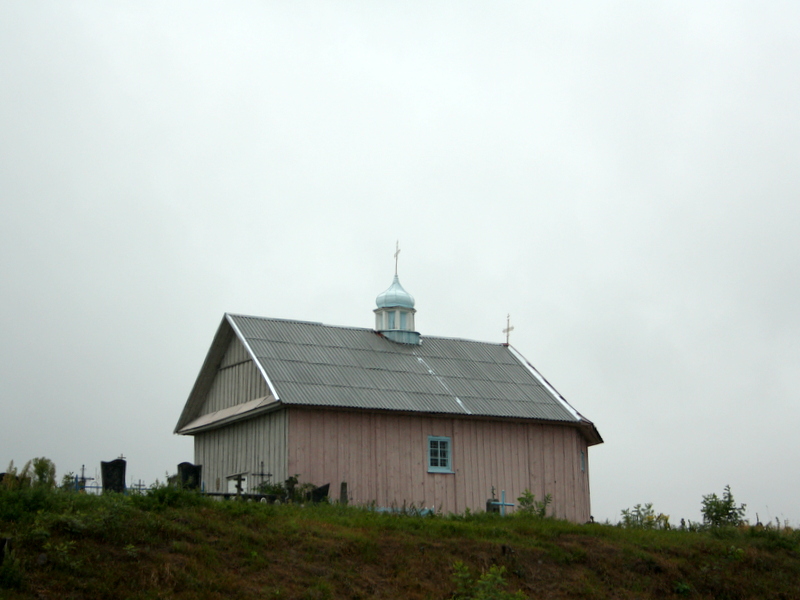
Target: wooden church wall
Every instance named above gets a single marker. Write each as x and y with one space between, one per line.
383 459
241 448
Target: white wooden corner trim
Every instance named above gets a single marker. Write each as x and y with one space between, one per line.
252 354
545 383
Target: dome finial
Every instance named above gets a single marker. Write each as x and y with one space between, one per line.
394 315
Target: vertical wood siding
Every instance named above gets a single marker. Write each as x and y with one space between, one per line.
240 448
383 459
238 380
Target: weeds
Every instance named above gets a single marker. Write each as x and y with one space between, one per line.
529 505
159 497
644 517
61 555
489 586
290 490
10 569
176 543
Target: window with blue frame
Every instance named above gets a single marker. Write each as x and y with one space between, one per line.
440 458
391 319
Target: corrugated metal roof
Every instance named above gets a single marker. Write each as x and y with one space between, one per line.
320 365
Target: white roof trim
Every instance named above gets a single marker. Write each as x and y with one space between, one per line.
545 383
252 354
227 414
444 385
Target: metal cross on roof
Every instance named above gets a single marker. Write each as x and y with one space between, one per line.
396 254
508 328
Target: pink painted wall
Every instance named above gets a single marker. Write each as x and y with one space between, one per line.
383 458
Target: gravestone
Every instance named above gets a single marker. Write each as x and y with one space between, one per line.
189 475
113 474
319 494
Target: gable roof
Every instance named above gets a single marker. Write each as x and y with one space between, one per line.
311 364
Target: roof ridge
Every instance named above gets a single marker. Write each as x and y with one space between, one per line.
355 328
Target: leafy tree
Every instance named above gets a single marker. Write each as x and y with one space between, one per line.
722 512
16 479
44 473
39 473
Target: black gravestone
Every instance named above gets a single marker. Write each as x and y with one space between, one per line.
113 475
190 475
319 494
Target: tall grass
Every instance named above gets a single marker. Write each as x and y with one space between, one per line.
174 543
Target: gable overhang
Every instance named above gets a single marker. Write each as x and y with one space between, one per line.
226 332
232 414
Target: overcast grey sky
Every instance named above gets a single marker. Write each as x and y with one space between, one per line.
620 177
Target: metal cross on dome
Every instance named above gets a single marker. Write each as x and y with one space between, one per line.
396 254
508 328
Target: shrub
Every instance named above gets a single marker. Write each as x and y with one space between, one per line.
17 504
290 490
489 586
162 496
44 473
39 472
722 512
529 505
644 517
10 569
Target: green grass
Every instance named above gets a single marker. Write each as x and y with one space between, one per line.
175 544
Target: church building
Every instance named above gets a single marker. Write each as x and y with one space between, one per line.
398 416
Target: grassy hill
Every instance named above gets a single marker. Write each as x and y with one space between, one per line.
173 544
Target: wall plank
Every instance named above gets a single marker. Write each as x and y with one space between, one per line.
240 448
384 458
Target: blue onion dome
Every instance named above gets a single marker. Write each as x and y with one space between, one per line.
395 296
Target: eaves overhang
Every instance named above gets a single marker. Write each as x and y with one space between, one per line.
585 425
226 416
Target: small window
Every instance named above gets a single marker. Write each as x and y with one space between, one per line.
391 319
403 317
583 461
439 455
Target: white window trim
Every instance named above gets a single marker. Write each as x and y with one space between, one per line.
449 467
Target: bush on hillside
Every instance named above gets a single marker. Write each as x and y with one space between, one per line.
489 586
644 517
161 496
529 505
722 512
